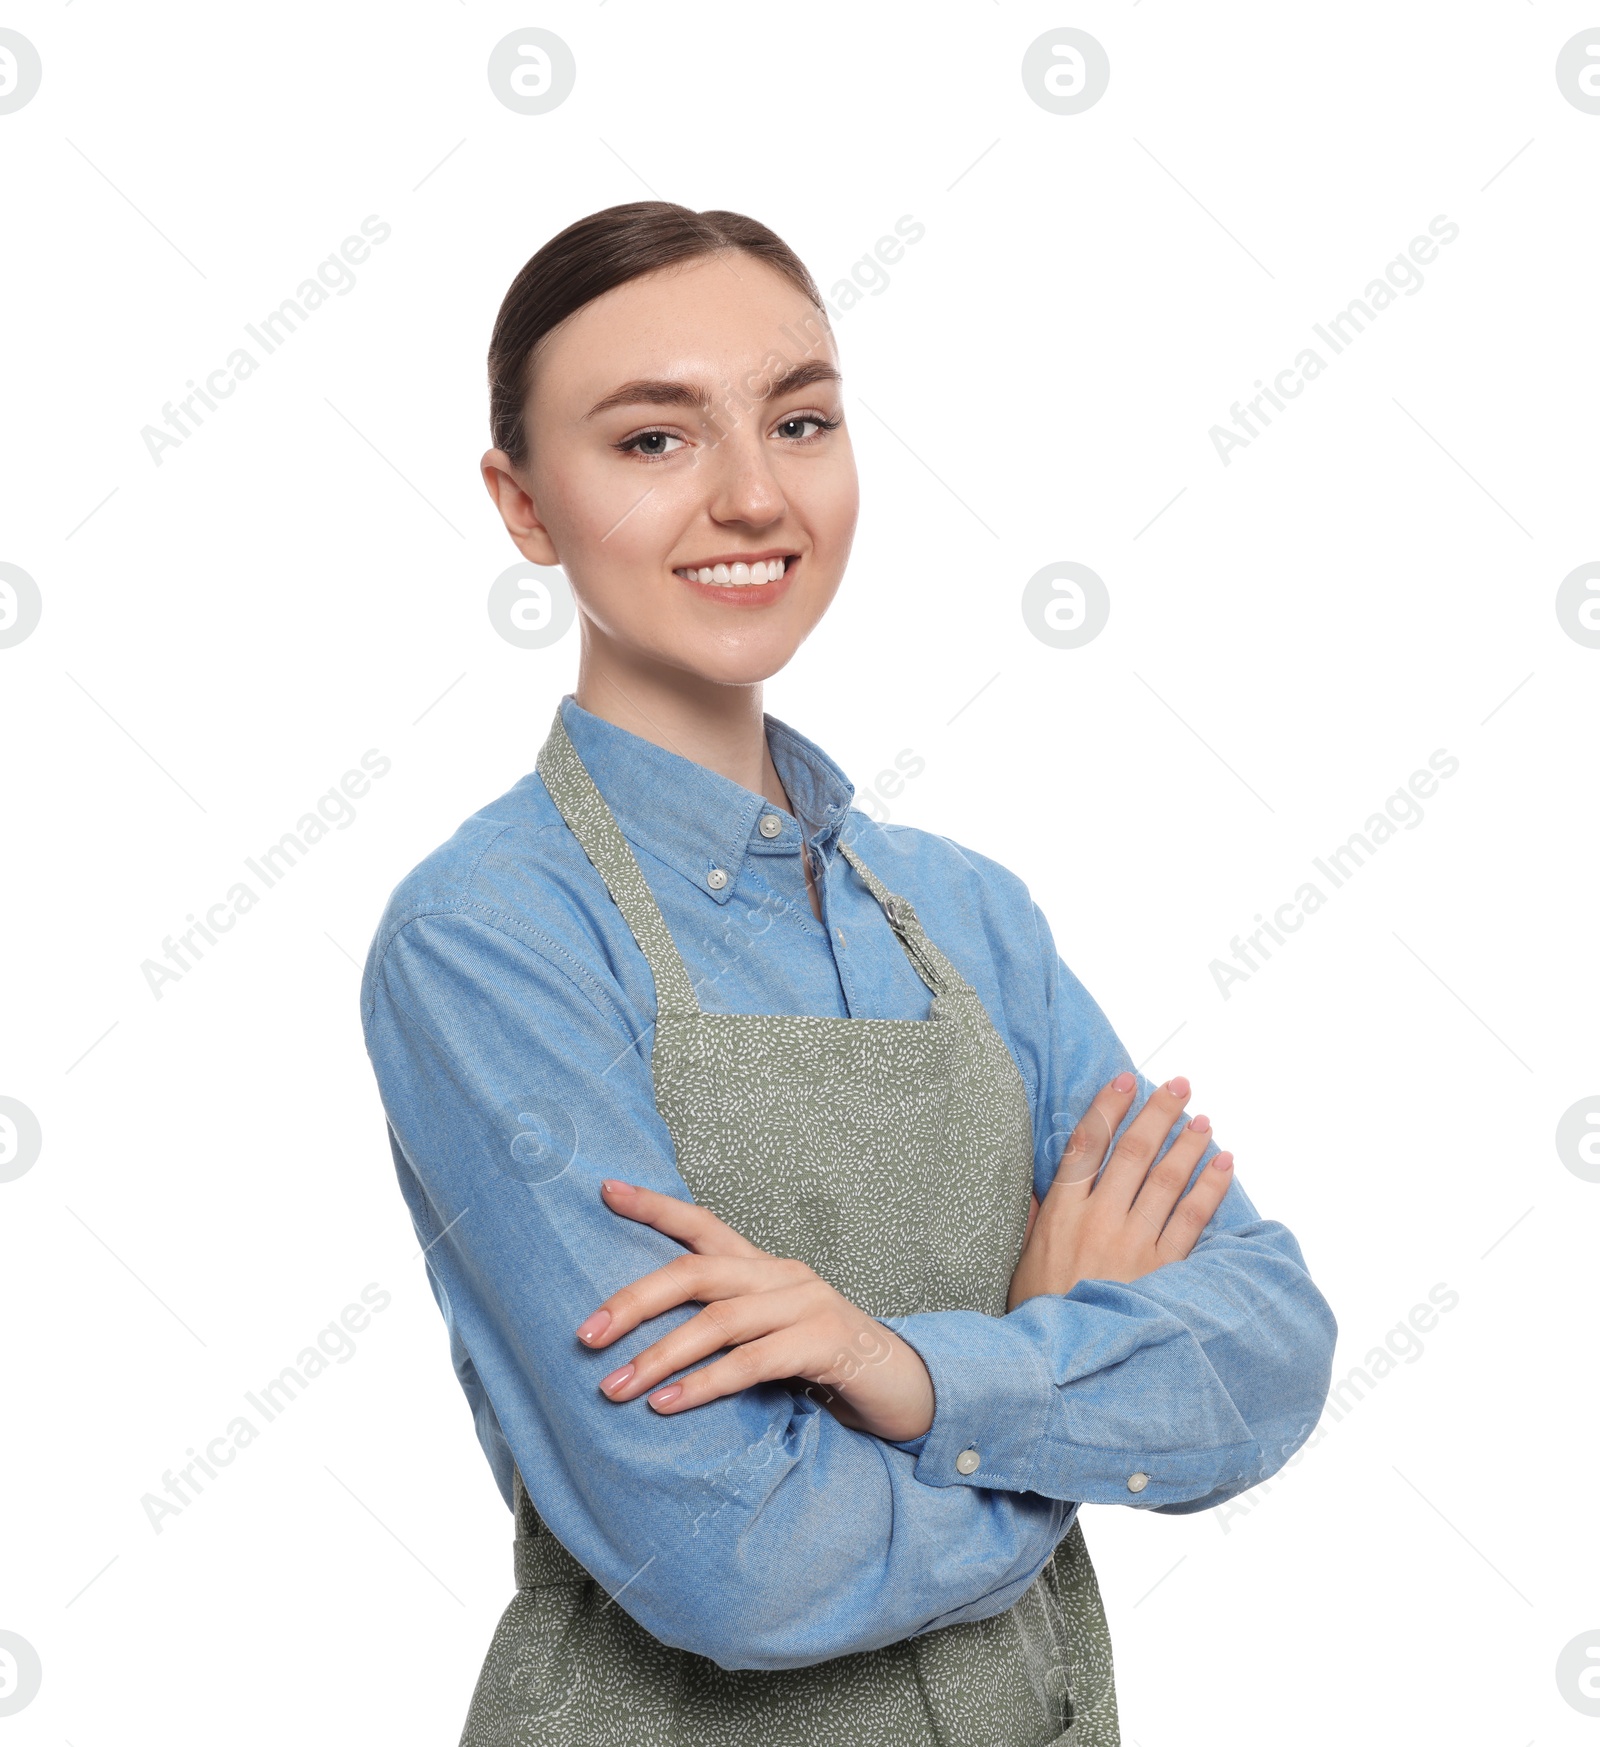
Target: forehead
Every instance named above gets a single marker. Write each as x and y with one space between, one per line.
710 321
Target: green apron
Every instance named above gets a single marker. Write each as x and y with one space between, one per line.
894 1157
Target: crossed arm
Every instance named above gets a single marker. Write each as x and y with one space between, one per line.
779 1320
760 1529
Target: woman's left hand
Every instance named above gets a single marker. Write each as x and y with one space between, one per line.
779 1319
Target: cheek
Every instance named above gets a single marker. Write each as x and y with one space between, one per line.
821 488
835 501
600 516
581 500
614 527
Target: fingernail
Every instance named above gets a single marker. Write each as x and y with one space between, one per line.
616 1379
1223 1161
1199 1124
613 1187
663 1396
1124 1083
1178 1086
592 1327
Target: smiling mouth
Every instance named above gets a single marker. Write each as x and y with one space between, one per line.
740 573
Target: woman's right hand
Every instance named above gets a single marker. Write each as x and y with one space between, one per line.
1130 1219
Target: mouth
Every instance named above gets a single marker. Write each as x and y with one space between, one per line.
751 577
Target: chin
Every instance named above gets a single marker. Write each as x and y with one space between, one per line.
735 666
729 654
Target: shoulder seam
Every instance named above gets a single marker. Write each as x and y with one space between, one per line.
532 939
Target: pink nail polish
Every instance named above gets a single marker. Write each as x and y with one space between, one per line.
592 1327
1124 1082
1178 1086
613 1187
1223 1161
663 1396
1200 1124
616 1379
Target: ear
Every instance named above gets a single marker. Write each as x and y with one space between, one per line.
518 511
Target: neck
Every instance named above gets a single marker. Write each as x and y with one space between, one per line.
719 726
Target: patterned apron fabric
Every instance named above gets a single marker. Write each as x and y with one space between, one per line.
895 1157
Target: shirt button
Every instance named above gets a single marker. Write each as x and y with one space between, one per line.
967 1462
770 825
1138 1482
716 879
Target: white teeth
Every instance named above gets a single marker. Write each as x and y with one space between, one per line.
736 575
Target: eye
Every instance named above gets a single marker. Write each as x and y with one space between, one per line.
792 428
650 445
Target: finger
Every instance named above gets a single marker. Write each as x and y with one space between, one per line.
686 1279
1124 1173
687 1221
1193 1213
1086 1147
729 1323
1167 1177
767 1360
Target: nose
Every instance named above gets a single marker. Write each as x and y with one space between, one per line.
742 486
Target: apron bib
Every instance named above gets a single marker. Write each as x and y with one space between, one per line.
895 1158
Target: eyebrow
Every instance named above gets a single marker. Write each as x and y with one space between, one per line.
647 392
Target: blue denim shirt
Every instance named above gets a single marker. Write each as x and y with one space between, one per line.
507 1012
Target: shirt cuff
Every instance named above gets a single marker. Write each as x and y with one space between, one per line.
1000 1420
993 1395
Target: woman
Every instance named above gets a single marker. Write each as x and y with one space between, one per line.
664 1082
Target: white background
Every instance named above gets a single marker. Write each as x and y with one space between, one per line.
1291 635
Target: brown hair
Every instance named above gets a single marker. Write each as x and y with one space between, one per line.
593 256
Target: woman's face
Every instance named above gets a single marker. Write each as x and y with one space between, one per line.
687 420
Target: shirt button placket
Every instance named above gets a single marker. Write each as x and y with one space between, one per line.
770 825
717 879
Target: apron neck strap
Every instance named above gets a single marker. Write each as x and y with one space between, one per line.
930 963
594 825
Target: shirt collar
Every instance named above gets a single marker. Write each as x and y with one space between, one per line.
696 820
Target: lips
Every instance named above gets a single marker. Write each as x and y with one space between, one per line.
749 596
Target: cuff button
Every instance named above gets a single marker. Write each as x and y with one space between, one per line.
967 1462
1138 1482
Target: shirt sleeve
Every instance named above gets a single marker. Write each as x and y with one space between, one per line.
755 1530
1172 1393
